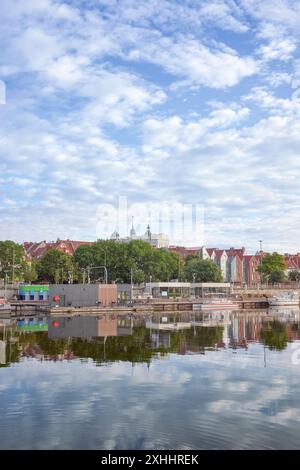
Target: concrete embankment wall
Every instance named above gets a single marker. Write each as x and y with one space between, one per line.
10 293
267 292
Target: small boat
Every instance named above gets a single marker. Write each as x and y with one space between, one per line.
287 299
216 304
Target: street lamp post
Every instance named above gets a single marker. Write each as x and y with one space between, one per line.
194 289
131 284
13 267
5 284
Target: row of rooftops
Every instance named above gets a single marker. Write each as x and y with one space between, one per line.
292 261
38 249
205 252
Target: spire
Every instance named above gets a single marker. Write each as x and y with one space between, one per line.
132 231
115 235
148 232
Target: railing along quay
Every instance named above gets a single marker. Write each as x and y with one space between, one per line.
157 305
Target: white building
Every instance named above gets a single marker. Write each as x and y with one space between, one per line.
221 260
157 240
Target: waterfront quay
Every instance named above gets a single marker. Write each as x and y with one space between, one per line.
151 297
21 308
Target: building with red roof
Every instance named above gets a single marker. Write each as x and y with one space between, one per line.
184 252
38 250
251 274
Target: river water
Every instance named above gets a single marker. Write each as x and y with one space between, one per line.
224 380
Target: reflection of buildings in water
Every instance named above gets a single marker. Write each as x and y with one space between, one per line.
245 328
6 322
124 326
7 326
189 336
284 313
180 332
169 322
161 326
186 320
216 318
288 315
2 352
168 326
89 327
161 339
30 325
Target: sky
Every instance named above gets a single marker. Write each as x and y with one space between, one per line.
165 103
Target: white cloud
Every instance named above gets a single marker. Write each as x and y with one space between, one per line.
281 49
268 101
284 13
173 132
276 79
223 15
197 64
153 100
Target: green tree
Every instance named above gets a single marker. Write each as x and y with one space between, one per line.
294 276
84 256
135 348
276 276
166 265
30 272
271 262
123 260
13 260
109 253
202 270
55 267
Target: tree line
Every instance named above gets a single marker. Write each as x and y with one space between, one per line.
136 261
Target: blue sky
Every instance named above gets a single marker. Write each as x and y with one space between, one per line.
157 101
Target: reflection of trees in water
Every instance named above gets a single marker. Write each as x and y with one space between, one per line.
138 347
274 334
134 348
12 351
197 338
295 326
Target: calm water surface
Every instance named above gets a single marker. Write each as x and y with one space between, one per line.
227 380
